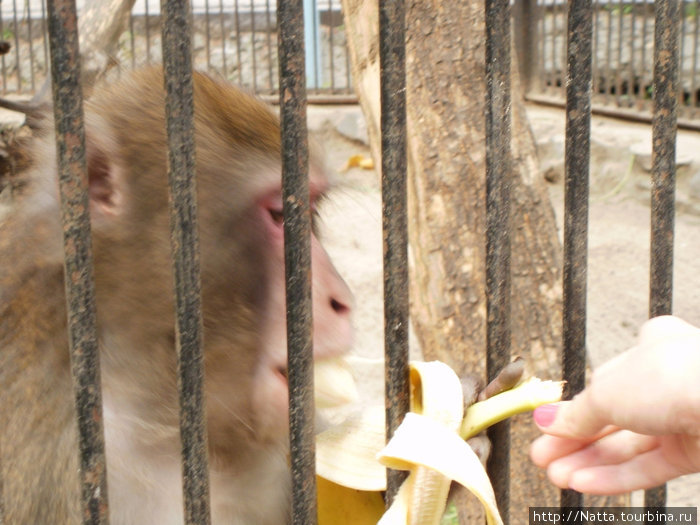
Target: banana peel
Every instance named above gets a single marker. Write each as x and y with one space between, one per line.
430 444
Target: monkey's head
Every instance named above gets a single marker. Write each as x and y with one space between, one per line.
242 258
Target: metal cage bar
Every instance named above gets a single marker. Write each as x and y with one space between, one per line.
666 77
576 190
79 272
392 59
297 256
179 111
498 268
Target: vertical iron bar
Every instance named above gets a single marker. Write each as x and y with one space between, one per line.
594 49
147 30
576 190
498 272
630 70
16 37
542 69
297 256
184 235
31 50
79 279
3 64
132 40
553 43
392 72
45 36
620 39
608 53
207 32
238 43
268 40
252 46
331 20
693 81
643 65
663 173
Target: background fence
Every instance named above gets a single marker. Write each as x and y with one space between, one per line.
238 39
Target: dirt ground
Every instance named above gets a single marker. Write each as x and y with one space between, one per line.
618 239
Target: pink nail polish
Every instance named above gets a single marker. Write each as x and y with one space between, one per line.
545 414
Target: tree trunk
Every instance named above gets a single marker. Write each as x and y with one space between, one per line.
445 70
100 24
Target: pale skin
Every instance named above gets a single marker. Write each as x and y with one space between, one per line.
636 425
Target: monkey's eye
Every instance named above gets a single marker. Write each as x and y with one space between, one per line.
277 216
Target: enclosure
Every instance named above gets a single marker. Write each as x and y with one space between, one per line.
591 75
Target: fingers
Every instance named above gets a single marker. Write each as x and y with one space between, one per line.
618 462
642 472
660 328
614 449
547 449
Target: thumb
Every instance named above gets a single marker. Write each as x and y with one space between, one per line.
571 419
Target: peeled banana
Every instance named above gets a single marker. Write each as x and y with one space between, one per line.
430 444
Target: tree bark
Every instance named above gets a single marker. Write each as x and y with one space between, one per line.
100 24
445 71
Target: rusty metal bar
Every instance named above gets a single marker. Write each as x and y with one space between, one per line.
630 69
3 64
608 52
132 40
618 69
596 42
45 38
297 256
252 46
238 43
666 75
15 28
693 80
268 43
147 30
330 45
498 271
30 42
179 110
392 71
576 190
79 277
207 32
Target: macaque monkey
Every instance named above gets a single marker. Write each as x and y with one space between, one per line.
242 264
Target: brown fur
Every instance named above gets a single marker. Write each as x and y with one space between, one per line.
237 148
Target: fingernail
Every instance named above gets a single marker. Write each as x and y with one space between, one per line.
544 415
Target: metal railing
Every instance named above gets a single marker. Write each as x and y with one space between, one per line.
237 39
622 55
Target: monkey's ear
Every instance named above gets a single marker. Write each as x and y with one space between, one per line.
104 187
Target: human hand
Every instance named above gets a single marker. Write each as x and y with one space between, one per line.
637 424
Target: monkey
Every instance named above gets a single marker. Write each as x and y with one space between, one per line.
237 140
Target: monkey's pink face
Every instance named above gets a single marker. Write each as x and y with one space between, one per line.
332 306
